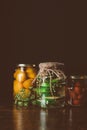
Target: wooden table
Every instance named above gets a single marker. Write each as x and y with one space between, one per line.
33 118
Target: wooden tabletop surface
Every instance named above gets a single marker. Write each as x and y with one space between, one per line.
33 118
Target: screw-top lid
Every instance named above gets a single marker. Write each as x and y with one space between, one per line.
26 65
78 76
22 65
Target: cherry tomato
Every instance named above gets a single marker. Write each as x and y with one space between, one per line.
76 102
80 96
77 90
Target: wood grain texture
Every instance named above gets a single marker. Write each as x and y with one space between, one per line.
33 118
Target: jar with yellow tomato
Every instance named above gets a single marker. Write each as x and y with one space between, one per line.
22 84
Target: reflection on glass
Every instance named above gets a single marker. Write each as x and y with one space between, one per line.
18 119
70 116
43 119
70 120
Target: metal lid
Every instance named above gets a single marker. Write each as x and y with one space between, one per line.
22 65
26 65
78 77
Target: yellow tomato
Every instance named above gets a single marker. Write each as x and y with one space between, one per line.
29 70
21 76
32 75
17 86
27 83
16 72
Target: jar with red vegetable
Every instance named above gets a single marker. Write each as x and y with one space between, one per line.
76 91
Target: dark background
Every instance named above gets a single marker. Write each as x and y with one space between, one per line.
36 31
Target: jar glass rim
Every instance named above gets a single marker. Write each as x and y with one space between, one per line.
78 76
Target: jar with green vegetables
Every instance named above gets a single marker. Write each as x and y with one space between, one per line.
50 85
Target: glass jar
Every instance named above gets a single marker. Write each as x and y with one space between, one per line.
76 92
22 84
50 85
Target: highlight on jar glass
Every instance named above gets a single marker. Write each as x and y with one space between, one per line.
22 84
50 85
76 91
